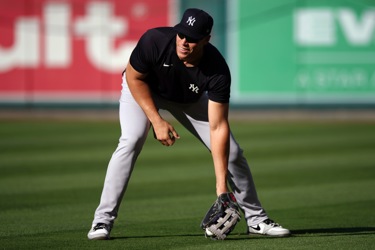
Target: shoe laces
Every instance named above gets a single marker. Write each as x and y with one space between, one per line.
271 223
100 226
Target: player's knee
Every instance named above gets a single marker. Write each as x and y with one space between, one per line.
131 141
235 153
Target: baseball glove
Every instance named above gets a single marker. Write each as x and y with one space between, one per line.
221 218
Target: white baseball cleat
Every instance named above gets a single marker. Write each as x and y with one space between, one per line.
99 231
270 228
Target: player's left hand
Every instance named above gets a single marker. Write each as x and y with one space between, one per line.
221 218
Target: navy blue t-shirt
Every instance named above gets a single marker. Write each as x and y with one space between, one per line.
168 77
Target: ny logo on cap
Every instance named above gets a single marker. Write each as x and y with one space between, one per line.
191 21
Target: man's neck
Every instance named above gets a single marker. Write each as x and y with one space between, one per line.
193 62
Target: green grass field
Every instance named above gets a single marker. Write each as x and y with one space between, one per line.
316 178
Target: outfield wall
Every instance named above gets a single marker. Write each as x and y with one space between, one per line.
284 52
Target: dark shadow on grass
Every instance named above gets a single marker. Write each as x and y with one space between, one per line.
231 237
335 231
243 236
155 236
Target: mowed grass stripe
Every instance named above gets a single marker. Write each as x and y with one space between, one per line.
314 178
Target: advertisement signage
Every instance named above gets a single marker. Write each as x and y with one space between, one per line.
305 52
280 52
72 50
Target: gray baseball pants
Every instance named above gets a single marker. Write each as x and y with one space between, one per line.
134 129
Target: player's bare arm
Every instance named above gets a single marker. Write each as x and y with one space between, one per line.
164 131
219 134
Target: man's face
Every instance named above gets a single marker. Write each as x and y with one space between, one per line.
188 49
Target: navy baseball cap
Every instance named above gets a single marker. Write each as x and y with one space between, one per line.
195 23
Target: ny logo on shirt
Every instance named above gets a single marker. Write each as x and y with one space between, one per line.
194 88
191 21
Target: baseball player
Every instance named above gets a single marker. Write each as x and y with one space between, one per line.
177 69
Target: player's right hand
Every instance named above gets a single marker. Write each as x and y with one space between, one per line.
165 133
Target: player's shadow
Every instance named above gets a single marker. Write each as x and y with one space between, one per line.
319 232
156 236
334 231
